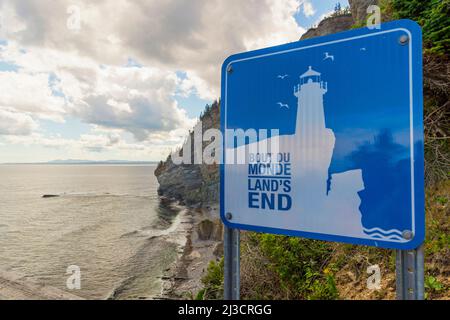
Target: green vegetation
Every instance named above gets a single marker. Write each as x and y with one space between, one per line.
279 267
301 268
301 265
433 284
437 243
438 225
212 282
432 15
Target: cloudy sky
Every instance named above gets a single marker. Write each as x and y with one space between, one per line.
124 79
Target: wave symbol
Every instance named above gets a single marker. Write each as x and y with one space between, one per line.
392 234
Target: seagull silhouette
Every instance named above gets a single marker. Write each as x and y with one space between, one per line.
327 56
283 105
283 76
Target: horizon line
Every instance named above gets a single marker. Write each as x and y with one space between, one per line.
76 161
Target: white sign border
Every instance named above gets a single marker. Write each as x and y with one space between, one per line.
411 104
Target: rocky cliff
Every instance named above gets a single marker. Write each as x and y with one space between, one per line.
192 184
341 20
358 9
330 25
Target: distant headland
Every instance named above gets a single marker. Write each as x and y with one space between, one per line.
85 162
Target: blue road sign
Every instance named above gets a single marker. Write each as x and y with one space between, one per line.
323 138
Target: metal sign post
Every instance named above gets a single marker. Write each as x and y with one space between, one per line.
231 248
410 274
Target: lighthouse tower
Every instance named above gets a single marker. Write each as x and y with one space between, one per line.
315 143
310 115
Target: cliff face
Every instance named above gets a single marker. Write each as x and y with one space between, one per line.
181 182
358 9
199 184
196 183
341 21
329 26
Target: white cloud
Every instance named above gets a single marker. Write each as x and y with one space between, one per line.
190 35
82 73
194 85
308 9
30 93
138 100
94 146
12 123
323 16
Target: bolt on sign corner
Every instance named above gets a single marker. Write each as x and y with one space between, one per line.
346 163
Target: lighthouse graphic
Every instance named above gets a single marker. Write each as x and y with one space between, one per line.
319 202
314 142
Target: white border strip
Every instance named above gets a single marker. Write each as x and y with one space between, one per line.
411 134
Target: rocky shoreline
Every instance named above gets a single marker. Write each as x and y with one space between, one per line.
202 231
196 188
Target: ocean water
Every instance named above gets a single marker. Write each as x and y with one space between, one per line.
107 220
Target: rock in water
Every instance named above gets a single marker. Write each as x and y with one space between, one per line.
50 196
